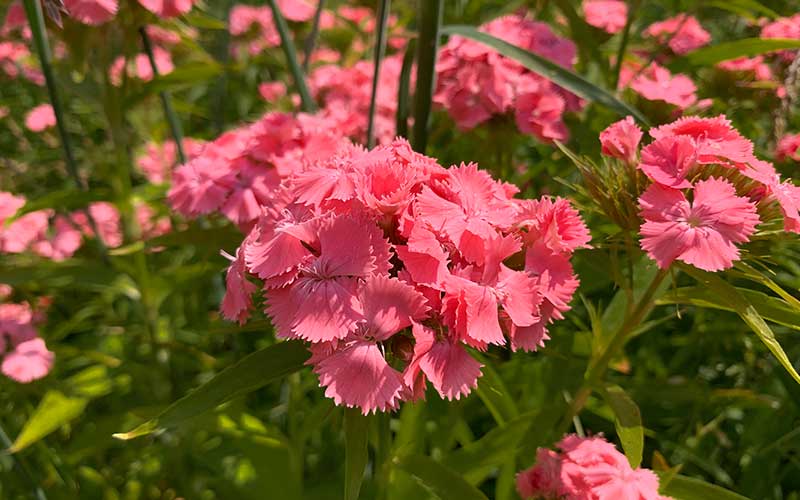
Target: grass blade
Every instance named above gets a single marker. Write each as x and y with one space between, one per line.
356 430
747 47
403 89
430 24
379 51
311 39
291 58
565 78
442 481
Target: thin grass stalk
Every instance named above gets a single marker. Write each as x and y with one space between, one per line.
291 58
166 102
380 50
403 89
427 48
311 39
633 6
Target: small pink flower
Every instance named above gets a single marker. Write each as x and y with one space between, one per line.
158 160
783 27
608 15
106 219
63 240
40 118
621 140
755 65
167 8
28 361
272 91
297 10
92 12
238 291
683 33
656 83
703 233
788 148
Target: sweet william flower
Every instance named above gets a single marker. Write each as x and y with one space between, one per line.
788 148
703 233
40 118
167 8
621 140
92 12
683 33
608 15
28 361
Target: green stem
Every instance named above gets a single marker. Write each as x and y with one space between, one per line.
597 369
311 39
6 442
403 89
166 103
291 58
380 49
429 26
623 45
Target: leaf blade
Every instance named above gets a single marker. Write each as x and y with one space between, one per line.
747 47
628 423
441 481
55 410
688 488
356 430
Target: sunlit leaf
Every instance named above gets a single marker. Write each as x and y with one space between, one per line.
356 431
747 47
441 481
688 488
628 423
55 410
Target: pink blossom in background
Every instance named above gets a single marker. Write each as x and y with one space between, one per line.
244 19
167 8
40 118
272 91
92 12
475 83
783 27
15 20
18 235
788 148
60 242
588 468
656 83
621 140
158 160
162 36
755 65
325 55
15 60
703 233
361 252
297 10
608 15
683 33
106 218
5 291
140 66
25 357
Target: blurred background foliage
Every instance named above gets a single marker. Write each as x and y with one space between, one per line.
136 329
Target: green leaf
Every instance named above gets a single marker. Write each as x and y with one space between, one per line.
747 47
745 309
356 430
496 396
378 52
199 19
745 8
254 371
291 58
55 410
403 96
63 200
754 274
628 423
575 83
430 25
689 488
770 308
441 481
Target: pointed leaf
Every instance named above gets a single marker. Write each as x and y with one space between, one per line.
747 47
55 410
356 430
573 82
628 422
249 374
441 481
689 488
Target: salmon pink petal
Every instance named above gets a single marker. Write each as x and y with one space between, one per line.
620 139
424 257
282 310
451 370
167 8
788 196
608 15
359 376
669 160
518 295
238 291
92 12
390 306
326 309
40 118
29 361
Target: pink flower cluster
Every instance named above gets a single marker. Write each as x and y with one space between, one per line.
96 12
608 15
656 83
24 355
475 83
756 66
391 266
241 170
344 95
682 33
140 67
586 469
158 160
708 191
40 118
788 148
16 60
783 27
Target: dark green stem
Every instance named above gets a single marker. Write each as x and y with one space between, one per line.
291 58
166 103
403 89
623 44
380 49
427 47
6 442
311 39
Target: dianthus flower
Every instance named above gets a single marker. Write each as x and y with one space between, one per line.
783 27
242 169
683 33
140 67
25 357
621 140
16 20
656 83
788 148
608 15
40 118
750 65
246 20
15 60
158 160
586 469
391 267
475 83
709 192
92 12
167 8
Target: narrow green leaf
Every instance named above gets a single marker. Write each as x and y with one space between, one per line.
739 303
55 410
378 52
403 97
754 274
441 481
430 23
628 423
573 82
747 47
745 8
311 39
249 374
356 430
770 308
63 199
203 20
688 488
291 58
496 396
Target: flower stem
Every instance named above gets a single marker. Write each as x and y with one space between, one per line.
597 369
380 49
311 39
6 443
166 103
291 58
430 23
